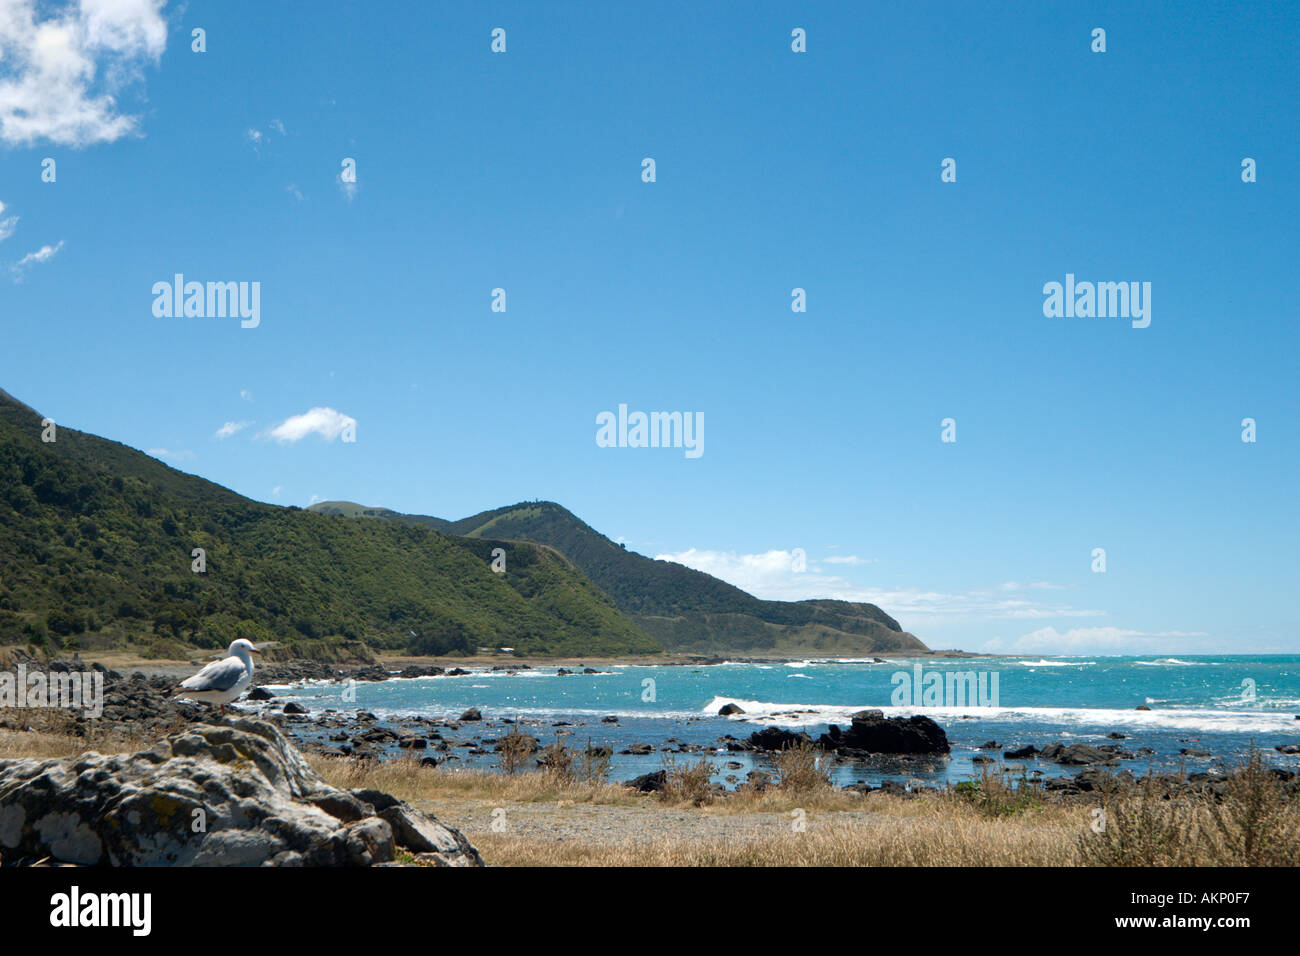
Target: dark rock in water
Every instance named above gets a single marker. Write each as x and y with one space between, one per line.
1079 754
988 745
412 742
261 803
638 750
428 762
419 670
1142 707
471 714
980 758
1096 778
590 670
872 732
871 714
777 738
735 765
611 719
458 672
563 671
260 693
649 782
292 708
1116 735
1075 754
726 710
1194 752
760 780
1021 753
860 787
1288 748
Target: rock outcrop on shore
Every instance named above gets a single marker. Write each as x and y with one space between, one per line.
225 793
872 732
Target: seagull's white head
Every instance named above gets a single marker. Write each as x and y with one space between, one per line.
242 648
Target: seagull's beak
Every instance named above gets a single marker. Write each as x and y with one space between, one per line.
256 651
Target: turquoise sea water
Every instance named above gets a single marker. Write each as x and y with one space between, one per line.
1217 704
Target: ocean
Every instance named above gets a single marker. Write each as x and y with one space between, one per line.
1221 705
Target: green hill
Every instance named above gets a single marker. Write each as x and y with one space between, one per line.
683 608
96 544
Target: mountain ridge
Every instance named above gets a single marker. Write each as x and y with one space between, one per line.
685 609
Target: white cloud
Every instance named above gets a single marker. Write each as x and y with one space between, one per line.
349 189
172 455
325 422
1079 641
848 559
63 67
7 225
230 428
275 492
43 254
245 394
771 576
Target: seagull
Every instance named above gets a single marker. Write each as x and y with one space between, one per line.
224 680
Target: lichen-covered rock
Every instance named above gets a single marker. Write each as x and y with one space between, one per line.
222 794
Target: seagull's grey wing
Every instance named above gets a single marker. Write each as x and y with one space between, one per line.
219 675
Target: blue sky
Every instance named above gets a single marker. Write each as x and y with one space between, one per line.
774 170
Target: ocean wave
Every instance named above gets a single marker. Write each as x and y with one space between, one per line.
1047 663
1180 718
1173 662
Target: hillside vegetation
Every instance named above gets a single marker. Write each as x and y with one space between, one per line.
96 543
685 609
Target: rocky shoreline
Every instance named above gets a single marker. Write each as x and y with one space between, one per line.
141 706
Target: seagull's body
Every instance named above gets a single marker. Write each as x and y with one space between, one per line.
222 681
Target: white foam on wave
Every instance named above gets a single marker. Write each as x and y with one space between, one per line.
1046 663
1173 718
1173 662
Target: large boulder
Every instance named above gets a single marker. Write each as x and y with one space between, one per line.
777 738
235 793
872 732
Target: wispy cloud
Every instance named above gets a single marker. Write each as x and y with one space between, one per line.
62 69
1102 640
7 224
43 254
322 421
772 576
230 428
171 455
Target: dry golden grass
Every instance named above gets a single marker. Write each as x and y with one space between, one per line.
51 732
848 841
406 779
